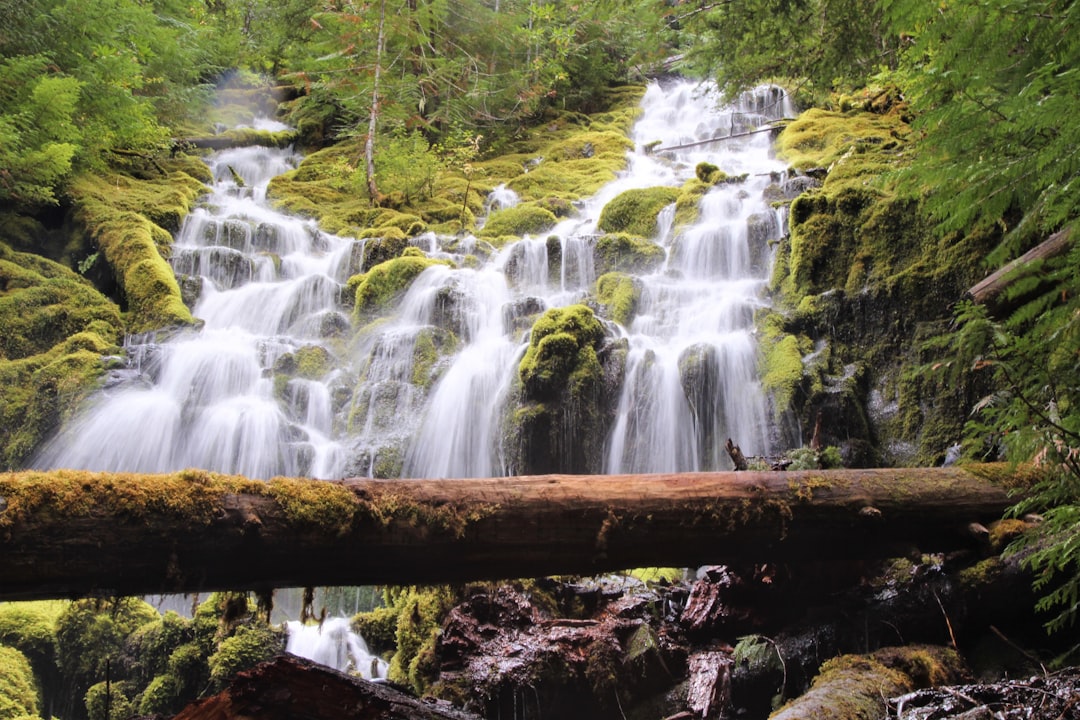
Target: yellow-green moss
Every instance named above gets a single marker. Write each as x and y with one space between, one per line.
315 503
635 211
517 221
562 351
819 138
378 627
627 253
783 369
420 612
128 220
376 288
620 293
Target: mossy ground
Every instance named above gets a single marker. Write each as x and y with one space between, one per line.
567 157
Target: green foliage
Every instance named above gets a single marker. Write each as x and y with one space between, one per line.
994 88
407 165
822 42
1031 359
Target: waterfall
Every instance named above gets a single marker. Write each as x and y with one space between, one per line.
332 642
276 381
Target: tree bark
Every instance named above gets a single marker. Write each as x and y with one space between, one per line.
373 115
291 688
66 532
988 291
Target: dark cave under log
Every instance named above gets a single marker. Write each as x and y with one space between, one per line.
72 533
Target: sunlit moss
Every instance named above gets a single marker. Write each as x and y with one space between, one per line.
524 219
18 691
635 211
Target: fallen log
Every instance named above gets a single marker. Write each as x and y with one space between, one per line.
989 290
291 688
72 533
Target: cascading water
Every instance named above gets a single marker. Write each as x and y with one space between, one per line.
271 384
269 290
332 642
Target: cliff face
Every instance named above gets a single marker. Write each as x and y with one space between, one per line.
862 287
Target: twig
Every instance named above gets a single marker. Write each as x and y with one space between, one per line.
948 623
1020 650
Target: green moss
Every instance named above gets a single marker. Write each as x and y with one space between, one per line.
627 253
783 369
378 287
420 612
635 211
160 696
315 503
432 346
562 351
620 293
378 627
819 138
518 221
18 691
110 701
249 646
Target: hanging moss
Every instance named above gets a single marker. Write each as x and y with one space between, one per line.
627 253
635 211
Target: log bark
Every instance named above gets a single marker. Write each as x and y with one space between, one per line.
989 290
291 688
70 533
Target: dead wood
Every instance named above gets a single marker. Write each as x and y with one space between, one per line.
989 290
68 533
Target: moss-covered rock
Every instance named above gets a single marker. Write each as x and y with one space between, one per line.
378 287
567 383
635 211
562 351
246 648
619 293
518 221
54 329
18 691
626 253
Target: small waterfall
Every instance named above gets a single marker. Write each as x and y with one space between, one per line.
333 643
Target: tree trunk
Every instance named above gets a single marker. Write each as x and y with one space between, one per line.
988 291
373 117
69 532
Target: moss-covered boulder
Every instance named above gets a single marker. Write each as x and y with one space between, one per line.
626 253
619 293
55 329
518 221
130 219
567 382
379 286
635 211
18 691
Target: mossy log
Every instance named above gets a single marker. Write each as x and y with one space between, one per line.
989 291
66 532
289 687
